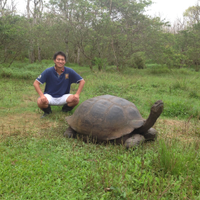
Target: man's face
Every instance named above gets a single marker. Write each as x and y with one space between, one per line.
60 61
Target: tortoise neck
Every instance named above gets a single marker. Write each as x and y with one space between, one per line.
148 123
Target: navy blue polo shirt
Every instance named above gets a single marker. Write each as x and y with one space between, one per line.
58 85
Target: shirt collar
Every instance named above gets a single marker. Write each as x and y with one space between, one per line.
57 72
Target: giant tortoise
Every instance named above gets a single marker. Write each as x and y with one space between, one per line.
108 117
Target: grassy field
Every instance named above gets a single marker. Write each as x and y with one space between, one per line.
37 162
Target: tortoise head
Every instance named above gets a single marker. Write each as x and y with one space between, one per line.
157 108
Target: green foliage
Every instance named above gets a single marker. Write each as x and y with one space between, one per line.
184 71
137 61
105 88
159 70
172 58
194 94
178 109
85 34
180 84
12 37
101 63
187 43
20 74
21 70
172 160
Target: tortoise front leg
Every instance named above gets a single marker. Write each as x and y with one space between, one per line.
69 133
151 134
134 141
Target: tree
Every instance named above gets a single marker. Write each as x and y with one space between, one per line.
114 32
34 14
192 15
12 35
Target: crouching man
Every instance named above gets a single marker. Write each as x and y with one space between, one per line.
58 80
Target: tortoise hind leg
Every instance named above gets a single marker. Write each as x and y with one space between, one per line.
134 141
151 134
69 133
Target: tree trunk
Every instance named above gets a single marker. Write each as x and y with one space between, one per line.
78 56
67 49
31 53
39 54
28 9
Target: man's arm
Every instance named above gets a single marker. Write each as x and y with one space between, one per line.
80 87
73 100
36 84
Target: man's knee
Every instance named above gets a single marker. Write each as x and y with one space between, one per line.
41 104
72 101
76 101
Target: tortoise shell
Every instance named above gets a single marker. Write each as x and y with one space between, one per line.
105 117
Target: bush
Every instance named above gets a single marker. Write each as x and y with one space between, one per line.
159 70
137 61
17 73
101 63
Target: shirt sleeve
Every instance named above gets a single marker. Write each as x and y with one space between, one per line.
74 77
42 77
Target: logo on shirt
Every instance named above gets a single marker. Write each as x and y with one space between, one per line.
66 76
39 76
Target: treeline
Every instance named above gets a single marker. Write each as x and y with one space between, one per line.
97 32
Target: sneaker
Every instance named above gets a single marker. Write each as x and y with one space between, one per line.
66 108
47 111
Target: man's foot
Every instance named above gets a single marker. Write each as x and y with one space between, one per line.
66 108
47 111
45 115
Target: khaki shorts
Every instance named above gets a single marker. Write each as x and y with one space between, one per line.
60 101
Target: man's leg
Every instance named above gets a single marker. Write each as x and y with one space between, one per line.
43 104
71 102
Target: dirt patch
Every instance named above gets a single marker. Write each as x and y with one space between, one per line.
22 124
181 130
28 99
30 123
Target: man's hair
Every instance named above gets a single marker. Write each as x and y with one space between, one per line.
61 54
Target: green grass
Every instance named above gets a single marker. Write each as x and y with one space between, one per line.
70 169
37 162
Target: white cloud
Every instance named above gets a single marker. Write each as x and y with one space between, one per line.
170 9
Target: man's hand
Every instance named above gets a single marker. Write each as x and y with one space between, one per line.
76 97
44 100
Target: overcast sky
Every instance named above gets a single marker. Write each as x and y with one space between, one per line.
170 9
